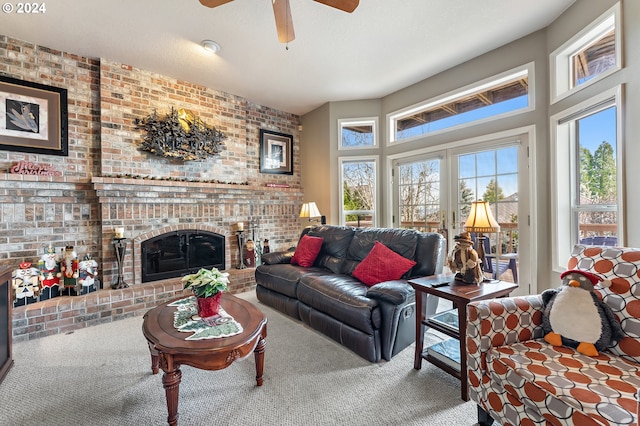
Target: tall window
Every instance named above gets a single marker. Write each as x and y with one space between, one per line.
419 192
590 55
489 99
587 176
596 194
358 191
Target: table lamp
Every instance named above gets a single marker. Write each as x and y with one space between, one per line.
481 220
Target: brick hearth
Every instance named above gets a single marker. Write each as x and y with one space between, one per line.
67 313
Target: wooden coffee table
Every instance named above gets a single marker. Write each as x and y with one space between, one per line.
170 350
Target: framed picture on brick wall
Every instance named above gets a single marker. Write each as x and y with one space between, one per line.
276 152
33 117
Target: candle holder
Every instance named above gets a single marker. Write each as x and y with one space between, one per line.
241 241
255 230
120 245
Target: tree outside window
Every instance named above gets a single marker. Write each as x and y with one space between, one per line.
358 192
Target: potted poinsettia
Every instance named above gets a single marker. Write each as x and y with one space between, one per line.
207 286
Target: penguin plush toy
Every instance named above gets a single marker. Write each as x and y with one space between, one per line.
574 316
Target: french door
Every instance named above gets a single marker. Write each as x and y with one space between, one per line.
434 192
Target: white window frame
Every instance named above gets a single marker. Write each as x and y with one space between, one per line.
354 159
346 122
527 273
560 60
563 154
523 70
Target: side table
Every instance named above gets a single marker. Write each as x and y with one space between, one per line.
445 287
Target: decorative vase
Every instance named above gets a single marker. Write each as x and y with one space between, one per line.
209 306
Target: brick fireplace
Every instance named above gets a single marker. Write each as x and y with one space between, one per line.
107 182
148 208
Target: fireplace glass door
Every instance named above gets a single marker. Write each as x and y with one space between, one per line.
176 254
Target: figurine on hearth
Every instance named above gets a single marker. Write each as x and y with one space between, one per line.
49 274
249 254
464 260
25 284
88 269
575 316
70 273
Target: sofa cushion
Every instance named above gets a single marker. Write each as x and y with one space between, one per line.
382 264
430 254
401 241
282 278
307 251
336 240
341 297
620 266
566 383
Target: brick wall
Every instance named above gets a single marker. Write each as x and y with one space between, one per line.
97 190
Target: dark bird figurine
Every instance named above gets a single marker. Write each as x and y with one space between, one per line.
574 316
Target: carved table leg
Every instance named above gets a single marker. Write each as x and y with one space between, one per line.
155 359
171 382
259 356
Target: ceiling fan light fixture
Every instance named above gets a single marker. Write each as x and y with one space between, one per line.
210 46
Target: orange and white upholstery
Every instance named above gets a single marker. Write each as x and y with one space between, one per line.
518 379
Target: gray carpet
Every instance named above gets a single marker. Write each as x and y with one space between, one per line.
101 376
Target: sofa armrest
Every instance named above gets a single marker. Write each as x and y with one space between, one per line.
396 292
396 300
499 322
277 257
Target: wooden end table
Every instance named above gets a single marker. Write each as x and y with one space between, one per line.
169 349
460 294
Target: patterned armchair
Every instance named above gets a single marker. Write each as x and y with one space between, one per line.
516 378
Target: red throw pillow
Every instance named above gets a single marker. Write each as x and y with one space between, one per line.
382 264
307 251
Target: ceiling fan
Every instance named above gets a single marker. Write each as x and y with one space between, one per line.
282 13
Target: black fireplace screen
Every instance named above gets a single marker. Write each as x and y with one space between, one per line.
175 254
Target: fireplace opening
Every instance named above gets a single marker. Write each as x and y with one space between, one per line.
178 253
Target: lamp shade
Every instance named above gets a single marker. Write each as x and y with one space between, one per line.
480 218
309 210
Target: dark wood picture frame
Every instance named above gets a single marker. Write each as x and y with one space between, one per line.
33 117
276 153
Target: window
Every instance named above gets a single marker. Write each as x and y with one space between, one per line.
353 133
587 57
493 98
587 175
492 176
433 189
419 195
358 191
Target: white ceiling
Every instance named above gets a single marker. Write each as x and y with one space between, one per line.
381 47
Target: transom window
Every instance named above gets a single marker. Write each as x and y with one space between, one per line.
357 133
589 56
490 99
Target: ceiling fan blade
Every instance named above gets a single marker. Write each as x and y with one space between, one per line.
346 5
284 23
214 3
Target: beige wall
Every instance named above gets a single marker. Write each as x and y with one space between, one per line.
533 48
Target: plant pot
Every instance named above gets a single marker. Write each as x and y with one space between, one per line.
209 306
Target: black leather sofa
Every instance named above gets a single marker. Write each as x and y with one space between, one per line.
375 322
